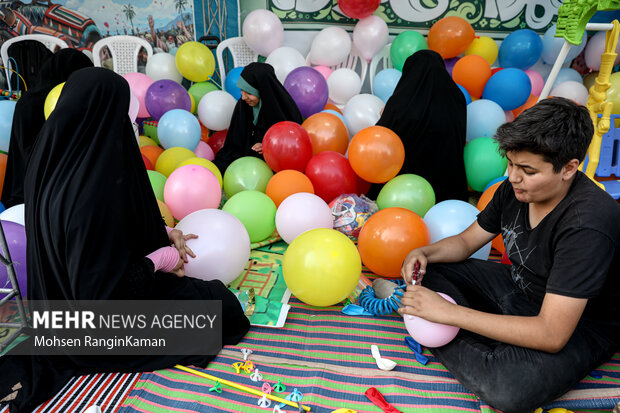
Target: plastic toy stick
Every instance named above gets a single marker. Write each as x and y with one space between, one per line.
240 387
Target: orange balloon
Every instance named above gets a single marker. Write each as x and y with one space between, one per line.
204 133
472 72
531 101
327 133
151 152
3 159
498 242
286 183
376 154
332 107
450 36
165 214
388 236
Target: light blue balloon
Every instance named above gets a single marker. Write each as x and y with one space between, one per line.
385 82
465 93
178 128
334 112
483 118
567 74
230 84
452 217
7 109
552 45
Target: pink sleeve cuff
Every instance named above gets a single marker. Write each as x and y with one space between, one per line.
164 259
168 229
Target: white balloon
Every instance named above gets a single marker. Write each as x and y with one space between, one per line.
330 47
302 212
594 50
222 248
343 84
362 111
14 214
162 66
284 60
216 109
263 31
134 106
572 90
370 35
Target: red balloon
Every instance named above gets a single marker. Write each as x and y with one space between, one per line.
362 186
286 145
358 9
495 70
147 163
505 259
216 141
331 175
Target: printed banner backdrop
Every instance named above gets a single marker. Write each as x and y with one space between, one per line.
166 24
499 17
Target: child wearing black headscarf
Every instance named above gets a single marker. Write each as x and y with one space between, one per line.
91 221
28 119
264 102
429 114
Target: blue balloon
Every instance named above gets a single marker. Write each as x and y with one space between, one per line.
178 128
173 50
465 93
509 88
494 181
452 217
7 109
521 49
567 74
552 45
385 82
483 118
230 84
333 112
2 207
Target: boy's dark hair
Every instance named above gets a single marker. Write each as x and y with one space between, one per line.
556 128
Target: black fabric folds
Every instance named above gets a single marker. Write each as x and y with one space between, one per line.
429 114
28 119
277 106
91 217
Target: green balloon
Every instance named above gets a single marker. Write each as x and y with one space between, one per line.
483 162
198 90
404 45
256 211
150 130
246 174
407 191
158 181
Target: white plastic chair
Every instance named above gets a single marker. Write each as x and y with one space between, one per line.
124 51
50 42
354 61
382 57
241 54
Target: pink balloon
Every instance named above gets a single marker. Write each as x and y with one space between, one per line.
536 80
595 48
190 188
324 70
302 212
139 83
430 334
509 116
134 106
203 150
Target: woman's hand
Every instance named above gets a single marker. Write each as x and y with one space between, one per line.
258 147
427 304
179 270
177 238
416 256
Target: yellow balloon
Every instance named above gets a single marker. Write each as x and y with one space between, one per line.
613 93
207 164
166 214
170 159
321 267
588 80
195 61
485 47
146 141
52 99
193 109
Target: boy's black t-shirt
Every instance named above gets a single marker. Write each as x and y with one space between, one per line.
573 251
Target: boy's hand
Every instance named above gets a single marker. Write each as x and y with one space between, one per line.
414 257
427 304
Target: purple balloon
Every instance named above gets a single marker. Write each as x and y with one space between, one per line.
308 88
450 64
164 95
15 235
